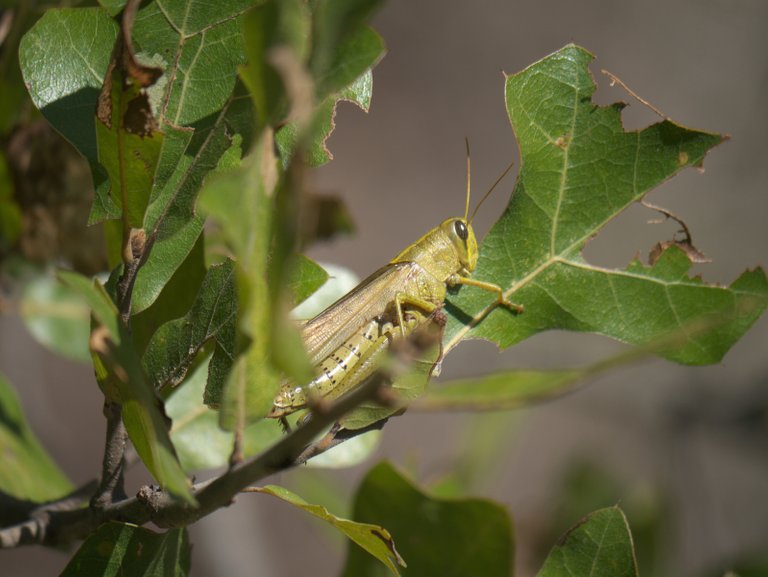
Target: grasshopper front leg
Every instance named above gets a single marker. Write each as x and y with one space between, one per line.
405 299
456 279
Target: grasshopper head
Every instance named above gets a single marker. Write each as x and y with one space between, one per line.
462 237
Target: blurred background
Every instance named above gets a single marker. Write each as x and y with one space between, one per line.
683 450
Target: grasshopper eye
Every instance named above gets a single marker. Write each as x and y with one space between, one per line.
461 229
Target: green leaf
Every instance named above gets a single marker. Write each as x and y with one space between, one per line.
372 538
500 391
206 114
128 142
343 46
185 161
202 46
175 345
199 440
358 92
26 470
436 537
56 317
343 52
176 298
237 201
64 58
580 169
96 297
518 388
113 7
586 484
199 106
340 281
599 545
122 549
121 377
269 28
223 359
306 277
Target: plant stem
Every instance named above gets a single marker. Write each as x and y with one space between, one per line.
55 525
111 486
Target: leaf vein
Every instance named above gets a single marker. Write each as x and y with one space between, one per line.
563 177
185 83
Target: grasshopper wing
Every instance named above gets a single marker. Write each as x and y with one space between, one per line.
368 300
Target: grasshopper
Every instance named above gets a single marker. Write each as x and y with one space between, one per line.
346 340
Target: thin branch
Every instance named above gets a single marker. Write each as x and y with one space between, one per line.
56 526
113 462
111 486
135 251
336 436
284 454
33 530
138 247
53 527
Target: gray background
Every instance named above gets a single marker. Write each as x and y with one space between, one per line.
401 171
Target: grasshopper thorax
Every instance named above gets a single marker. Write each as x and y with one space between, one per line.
446 250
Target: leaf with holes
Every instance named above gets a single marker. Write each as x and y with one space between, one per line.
197 105
579 169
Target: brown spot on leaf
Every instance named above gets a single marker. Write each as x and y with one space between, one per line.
138 118
563 141
682 158
105 548
104 104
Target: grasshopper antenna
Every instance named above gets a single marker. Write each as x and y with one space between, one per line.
466 207
490 190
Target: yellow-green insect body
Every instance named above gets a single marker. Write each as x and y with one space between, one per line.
351 363
346 342
346 339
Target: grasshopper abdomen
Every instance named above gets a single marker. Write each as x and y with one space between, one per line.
344 368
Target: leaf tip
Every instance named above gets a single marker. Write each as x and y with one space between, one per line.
386 538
